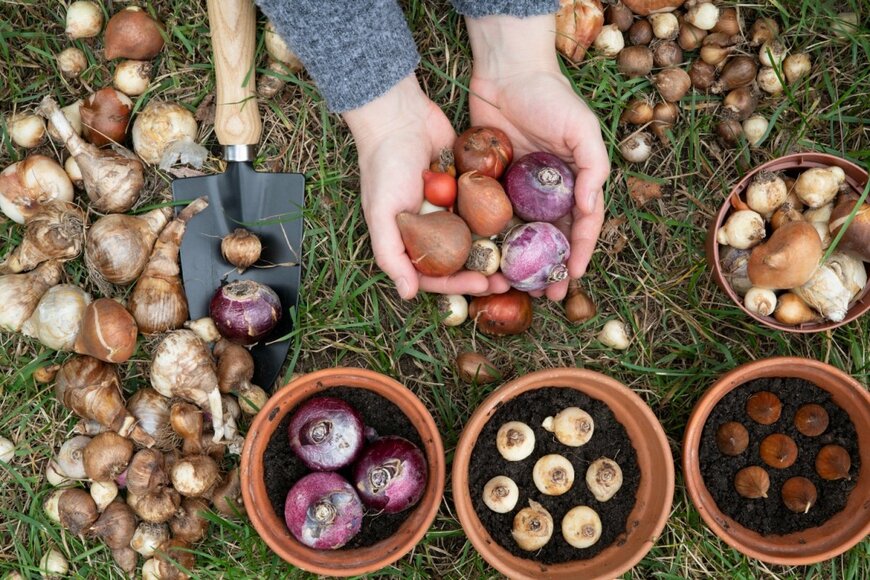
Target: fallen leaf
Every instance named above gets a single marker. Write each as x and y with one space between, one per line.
642 191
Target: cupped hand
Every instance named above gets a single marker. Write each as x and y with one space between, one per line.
397 136
534 104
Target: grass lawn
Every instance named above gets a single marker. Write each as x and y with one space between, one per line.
649 271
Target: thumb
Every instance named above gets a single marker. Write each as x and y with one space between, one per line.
389 251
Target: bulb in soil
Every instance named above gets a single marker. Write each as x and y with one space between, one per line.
732 438
798 494
833 463
500 494
764 407
811 420
778 450
581 527
533 527
604 478
553 474
515 441
572 426
752 482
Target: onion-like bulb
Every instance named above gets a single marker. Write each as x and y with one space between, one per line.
158 302
107 456
20 293
165 132
105 116
132 77
29 184
235 366
116 526
112 179
54 232
278 49
146 473
188 523
151 409
148 537
241 248
26 130
77 511
227 496
132 33
58 317
187 422
195 475
69 460
118 245
183 367
92 390
108 332
156 507
84 19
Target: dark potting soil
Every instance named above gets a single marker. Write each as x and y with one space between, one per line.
282 468
609 439
770 515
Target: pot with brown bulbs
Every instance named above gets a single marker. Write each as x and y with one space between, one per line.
752 271
538 484
782 435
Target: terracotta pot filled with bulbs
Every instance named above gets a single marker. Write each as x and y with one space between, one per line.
776 459
791 245
563 473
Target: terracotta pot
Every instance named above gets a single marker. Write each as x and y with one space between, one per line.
654 494
273 530
856 177
838 534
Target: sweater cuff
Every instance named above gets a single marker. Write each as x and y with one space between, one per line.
355 52
518 8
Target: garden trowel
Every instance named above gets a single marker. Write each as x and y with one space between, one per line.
267 204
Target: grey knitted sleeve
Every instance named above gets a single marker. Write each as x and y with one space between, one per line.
354 51
520 8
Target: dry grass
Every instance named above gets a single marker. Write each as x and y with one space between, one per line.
649 271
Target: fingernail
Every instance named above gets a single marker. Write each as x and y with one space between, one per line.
587 203
402 287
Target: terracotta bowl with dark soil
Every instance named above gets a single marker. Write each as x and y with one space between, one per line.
270 468
744 491
794 164
625 431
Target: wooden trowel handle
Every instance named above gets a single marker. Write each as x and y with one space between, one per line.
233 40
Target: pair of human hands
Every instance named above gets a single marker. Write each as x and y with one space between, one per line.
399 134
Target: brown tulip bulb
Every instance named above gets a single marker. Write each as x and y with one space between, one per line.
752 482
730 131
798 494
764 407
132 33
811 420
640 33
108 332
778 450
833 463
634 61
667 53
702 75
732 438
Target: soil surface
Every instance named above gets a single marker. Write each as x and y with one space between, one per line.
769 516
609 439
282 468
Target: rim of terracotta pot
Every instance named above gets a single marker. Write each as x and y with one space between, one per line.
856 177
273 530
843 530
654 494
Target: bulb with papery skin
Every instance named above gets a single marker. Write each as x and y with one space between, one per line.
540 187
534 255
323 511
390 475
326 433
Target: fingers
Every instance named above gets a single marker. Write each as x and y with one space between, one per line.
584 235
593 165
463 282
390 253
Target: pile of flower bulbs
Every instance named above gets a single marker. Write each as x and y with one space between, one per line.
692 44
140 473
